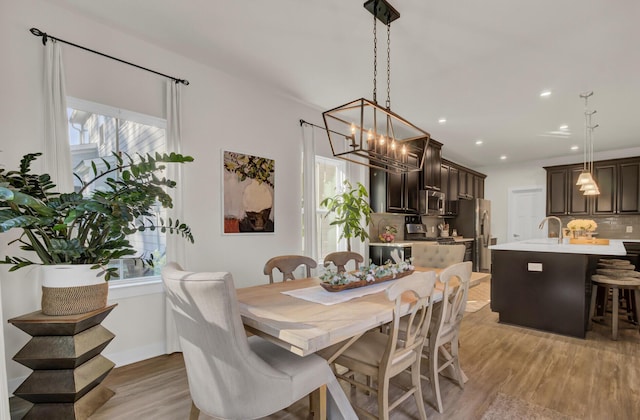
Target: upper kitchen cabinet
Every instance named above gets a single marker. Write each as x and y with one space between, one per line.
629 186
618 181
431 176
449 188
459 182
605 175
557 192
394 193
563 196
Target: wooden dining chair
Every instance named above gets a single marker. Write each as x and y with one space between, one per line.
287 264
445 328
382 356
341 259
231 376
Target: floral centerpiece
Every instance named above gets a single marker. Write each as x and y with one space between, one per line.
334 281
389 234
587 225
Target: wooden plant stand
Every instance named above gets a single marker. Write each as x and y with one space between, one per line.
64 353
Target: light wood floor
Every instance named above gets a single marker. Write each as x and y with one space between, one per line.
594 378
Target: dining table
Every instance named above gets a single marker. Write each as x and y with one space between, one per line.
302 317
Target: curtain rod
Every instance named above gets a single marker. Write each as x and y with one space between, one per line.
45 37
302 122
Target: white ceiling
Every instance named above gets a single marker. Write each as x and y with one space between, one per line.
480 64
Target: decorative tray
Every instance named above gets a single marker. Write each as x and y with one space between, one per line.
362 283
588 241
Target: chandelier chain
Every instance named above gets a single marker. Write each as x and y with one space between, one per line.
388 103
375 60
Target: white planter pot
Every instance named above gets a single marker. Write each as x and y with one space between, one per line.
72 289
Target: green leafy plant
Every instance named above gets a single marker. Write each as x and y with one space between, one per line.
87 227
350 207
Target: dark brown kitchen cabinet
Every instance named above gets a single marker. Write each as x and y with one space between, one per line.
617 179
394 193
563 195
449 181
431 176
557 192
578 202
478 186
463 187
605 175
453 183
629 187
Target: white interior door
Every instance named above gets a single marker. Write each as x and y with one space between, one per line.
526 211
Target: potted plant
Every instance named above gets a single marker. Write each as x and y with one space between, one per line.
350 207
84 230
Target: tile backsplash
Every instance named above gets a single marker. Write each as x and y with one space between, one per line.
380 220
610 227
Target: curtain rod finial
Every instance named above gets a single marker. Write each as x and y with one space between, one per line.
38 32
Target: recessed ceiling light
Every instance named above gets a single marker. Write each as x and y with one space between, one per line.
503 157
564 127
545 93
574 147
442 120
479 142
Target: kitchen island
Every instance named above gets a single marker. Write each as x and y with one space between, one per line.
545 285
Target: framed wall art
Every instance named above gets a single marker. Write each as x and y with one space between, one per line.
248 193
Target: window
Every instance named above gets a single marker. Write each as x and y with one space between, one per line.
97 131
330 174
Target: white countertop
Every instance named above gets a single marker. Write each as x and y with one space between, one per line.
615 247
391 244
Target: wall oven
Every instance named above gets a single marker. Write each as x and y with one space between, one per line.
431 203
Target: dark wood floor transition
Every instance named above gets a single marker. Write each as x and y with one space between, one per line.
594 378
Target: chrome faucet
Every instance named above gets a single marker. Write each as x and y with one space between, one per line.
541 225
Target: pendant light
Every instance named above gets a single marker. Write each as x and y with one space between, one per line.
366 133
586 182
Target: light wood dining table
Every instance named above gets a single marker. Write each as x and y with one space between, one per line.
305 327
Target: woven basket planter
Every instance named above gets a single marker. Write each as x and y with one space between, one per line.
74 300
72 290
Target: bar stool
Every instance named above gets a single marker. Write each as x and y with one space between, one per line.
615 284
627 294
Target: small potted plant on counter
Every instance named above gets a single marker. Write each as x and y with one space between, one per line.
85 230
389 234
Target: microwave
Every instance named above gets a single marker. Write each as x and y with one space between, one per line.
431 203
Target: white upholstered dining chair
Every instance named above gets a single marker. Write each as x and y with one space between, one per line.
381 356
231 376
445 327
429 255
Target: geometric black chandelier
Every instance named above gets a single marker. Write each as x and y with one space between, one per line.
366 133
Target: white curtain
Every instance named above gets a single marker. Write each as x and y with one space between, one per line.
57 154
309 193
175 243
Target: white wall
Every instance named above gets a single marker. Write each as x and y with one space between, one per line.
219 112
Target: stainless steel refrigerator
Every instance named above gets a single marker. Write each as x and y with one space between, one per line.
474 221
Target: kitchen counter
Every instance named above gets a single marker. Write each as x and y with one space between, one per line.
461 239
391 244
615 247
544 285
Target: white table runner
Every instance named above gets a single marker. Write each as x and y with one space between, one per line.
317 294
